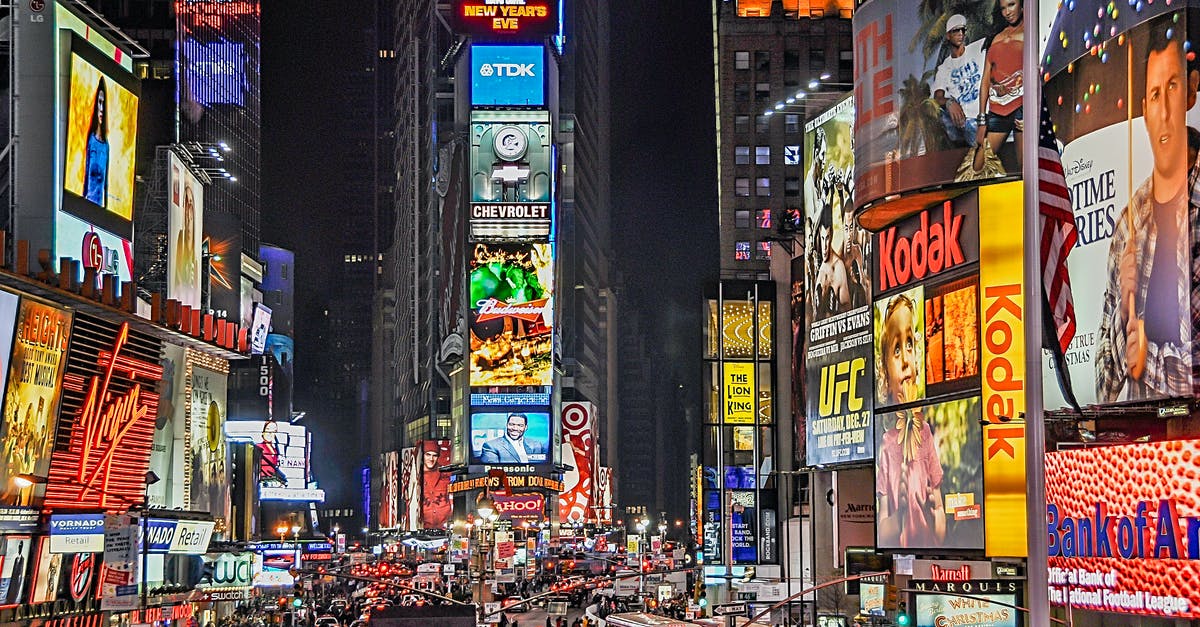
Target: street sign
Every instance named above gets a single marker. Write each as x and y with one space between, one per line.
730 609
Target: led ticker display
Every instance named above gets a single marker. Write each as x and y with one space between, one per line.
506 20
508 75
100 140
1123 538
512 314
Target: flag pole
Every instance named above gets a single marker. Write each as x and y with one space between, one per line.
1037 580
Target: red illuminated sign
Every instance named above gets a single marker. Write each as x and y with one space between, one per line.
508 20
111 433
492 309
520 505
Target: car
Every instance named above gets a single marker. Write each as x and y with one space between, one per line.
513 605
327 621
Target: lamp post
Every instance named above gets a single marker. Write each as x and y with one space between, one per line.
486 508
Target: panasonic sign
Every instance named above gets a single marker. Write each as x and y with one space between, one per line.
503 76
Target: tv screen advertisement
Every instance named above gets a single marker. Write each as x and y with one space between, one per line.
185 220
518 436
259 327
507 75
101 138
512 175
512 315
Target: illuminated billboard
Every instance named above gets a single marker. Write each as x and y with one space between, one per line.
920 93
508 75
389 495
34 360
1125 114
512 314
929 477
518 436
512 174
215 70
107 423
185 225
436 506
983 610
410 489
101 138
580 452
837 284
284 451
208 462
1123 524
513 20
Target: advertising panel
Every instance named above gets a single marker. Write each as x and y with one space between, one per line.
1126 155
516 437
178 537
99 249
929 477
1123 524
580 452
855 503
512 314
389 494
260 325
47 570
185 221
410 489
738 392
936 610
120 574
107 423
1003 381
508 75
14 569
604 500
215 71
222 243
520 506
101 138
436 506
32 393
208 457
743 527
799 367
514 20
512 174
837 284
76 533
919 92
284 451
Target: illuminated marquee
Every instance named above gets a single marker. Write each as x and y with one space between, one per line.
507 20
111 428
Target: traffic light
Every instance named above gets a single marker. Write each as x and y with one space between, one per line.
297 602
891 598
902 617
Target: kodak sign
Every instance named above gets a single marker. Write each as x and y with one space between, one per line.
1003 368
940 238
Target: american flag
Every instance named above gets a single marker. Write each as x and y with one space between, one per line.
1058 234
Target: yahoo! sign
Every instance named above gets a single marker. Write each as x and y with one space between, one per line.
520 506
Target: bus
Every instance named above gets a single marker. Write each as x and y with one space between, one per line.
640 619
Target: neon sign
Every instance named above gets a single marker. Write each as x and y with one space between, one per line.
507 19
111 433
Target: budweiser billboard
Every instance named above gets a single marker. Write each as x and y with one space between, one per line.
512 314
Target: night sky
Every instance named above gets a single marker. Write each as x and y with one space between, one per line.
663 161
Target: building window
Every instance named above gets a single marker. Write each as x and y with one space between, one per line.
741 155
764 251
283 271
762 155
741 219
791 155
816 60
741 187
741 123
741 251
845 64
762 90
791 59
762 124
764 219
762 186
741 92
741 60
791 186
762 60
791 123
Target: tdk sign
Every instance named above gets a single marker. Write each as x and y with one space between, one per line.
503 76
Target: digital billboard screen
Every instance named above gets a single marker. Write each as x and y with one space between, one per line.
513 20
515 437
284 467
512 174
216 70
508 75
208 456
436 506
1122 523
101 137
929 477
512 314
185 226
579 452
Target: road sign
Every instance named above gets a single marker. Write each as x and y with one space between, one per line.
730 609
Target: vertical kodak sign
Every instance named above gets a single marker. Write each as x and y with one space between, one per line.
1003 380
738 396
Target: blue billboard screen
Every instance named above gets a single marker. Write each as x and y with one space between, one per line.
508 76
